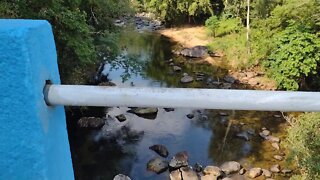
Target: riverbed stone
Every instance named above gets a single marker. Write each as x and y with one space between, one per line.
243 135
273 139
179 160
230 167
266 173
175 175
212 170
188 174
286 171
275 168
177 68
121 118
144 112
157 165
255 172
242 171
91 122
186 79
275 145
121 177
160 149
229 79
168 109
190 116
278 157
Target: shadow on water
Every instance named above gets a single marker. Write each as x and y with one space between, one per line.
123 147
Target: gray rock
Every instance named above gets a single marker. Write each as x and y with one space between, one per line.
195 52
223 114
190 116
176 175
275 168
168 109
157 165
186 79
179 160
144 111
160 149
251 132
177 68
188 174
273 139
286 171
276 145
226 85
278 157
121 177
264 133
229 79
91 122
121 118
243 135
266 173
213 170
230 167
255 172
242 171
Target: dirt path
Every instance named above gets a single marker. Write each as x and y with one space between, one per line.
188 36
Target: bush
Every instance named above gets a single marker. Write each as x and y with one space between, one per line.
295 57
304 142
228 26
212 24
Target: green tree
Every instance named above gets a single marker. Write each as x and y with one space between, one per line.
296 56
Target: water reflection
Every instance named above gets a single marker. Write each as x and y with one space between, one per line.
123 147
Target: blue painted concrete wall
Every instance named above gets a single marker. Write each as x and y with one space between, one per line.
33 137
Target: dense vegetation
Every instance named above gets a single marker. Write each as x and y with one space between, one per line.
284 39
79 26
175 11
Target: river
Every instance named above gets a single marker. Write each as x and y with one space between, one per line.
209 137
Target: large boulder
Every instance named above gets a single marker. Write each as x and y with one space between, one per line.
195 52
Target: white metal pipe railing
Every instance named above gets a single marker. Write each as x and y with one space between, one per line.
78 95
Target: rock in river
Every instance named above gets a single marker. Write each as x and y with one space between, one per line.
177 68
121 118
157 165
149 113
230 167
190 116
255 172
186 79
91 122
160 149
243 135
266 173
188 174
275 168
195 52
121 177
213 170
179 160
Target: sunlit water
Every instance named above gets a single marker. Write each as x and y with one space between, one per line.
101 154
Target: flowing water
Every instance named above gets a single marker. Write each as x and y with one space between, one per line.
209 138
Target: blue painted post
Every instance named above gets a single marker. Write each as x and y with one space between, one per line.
33 137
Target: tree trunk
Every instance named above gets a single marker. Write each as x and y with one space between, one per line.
248 27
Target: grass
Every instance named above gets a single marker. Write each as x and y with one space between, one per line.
233 47
304 143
